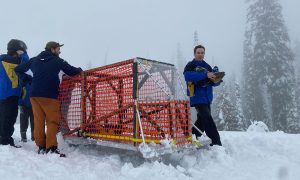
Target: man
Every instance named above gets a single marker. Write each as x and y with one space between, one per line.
44 94
26 113
10 89
199 77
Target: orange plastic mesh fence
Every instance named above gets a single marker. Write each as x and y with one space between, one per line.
100 103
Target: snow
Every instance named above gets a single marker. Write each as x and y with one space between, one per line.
244 155
258 126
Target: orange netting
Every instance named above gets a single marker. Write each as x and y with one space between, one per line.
105 103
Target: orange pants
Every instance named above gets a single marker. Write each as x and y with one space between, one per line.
45 110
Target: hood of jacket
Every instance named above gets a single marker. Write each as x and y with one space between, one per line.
46 56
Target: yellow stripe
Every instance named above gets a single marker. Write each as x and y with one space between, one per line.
24 93
189 138
10 71
191 88
125 138
121 138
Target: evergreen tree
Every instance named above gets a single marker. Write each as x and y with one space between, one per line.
237 102
297 67
254 105
216 108
270 64
180 60
89 65
105 62
225 110
196 40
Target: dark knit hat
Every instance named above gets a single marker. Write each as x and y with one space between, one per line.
16 45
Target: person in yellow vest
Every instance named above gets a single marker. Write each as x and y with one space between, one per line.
10 89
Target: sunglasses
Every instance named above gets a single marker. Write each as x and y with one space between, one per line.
200 52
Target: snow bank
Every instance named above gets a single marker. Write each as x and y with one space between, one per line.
258 126
245 155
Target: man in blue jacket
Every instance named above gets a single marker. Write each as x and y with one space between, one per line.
199 77
10 89
44 93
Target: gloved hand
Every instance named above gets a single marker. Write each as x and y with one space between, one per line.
215 69
24 56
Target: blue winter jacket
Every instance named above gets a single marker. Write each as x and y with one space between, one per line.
25 96
45 68
9 81
200 88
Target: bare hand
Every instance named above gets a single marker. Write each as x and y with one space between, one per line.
211 75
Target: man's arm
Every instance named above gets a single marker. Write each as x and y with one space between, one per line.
24 57
194 76
21 72
191 75
68 69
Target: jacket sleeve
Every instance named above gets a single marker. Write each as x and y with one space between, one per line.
191 75
24 57
21 72
68 69
195 76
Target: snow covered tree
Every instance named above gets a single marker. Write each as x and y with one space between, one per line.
181 61
254 105
105 62
216 108
268 66
196 40
236 99
89 65
225 112
297 67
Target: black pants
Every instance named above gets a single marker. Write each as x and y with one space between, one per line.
26 115
8 117
206 123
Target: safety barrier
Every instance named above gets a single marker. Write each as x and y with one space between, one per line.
109 102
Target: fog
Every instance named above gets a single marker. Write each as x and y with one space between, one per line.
95 30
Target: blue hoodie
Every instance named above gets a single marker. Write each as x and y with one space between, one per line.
45 68
195 74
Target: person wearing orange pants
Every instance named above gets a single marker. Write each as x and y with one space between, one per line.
45 110
44 93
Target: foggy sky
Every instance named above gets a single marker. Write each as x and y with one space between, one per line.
94 30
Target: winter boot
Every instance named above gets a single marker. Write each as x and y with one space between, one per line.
32 136
41 150
12 143
23 137
55 150
15 146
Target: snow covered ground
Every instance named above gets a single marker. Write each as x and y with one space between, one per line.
245 155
